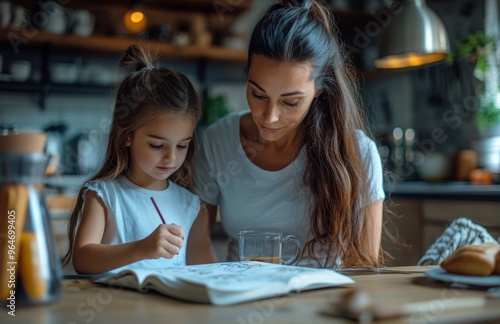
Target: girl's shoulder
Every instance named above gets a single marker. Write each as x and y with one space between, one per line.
185 197
101 186
181 191
94 185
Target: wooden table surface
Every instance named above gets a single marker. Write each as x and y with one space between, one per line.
82 301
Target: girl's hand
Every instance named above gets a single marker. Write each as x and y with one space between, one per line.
164 242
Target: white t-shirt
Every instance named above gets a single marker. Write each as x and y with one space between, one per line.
132 215
251 198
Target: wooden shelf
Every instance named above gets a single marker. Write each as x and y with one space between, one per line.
103 45
207 6
106 44
80 88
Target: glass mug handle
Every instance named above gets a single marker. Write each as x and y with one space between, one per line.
298 249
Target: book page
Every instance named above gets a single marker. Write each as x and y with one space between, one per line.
228 282
245 275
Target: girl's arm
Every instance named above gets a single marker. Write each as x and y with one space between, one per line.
372 228
199 245
91 256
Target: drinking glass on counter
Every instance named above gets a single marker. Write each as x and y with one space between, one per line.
267 246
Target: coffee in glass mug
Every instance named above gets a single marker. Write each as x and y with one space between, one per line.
267 246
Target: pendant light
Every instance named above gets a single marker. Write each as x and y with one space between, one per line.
135 19
415 36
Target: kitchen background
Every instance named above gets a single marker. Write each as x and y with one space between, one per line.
67 88
416 99
421 99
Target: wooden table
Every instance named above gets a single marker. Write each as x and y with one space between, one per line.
85 302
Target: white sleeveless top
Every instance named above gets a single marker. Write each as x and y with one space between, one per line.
132 215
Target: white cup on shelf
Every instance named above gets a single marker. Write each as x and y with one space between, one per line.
63 72
5 13
20 71
20 17
57 18
83 22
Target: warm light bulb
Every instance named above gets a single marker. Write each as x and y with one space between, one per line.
135 21
136 17
408 60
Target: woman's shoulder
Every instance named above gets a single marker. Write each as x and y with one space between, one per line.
364 139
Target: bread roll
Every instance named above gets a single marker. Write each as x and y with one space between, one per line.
497 264
475 260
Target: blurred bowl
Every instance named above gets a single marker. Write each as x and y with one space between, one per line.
20 71
22 142
83 22
63 73
434 167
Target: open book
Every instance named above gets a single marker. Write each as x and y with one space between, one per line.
227 283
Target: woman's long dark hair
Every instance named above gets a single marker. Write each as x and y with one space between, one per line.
145 93
336 172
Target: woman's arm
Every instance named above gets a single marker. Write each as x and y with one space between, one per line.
91 256
372 228
199 245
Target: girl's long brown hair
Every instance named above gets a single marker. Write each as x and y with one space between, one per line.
336 172
147 91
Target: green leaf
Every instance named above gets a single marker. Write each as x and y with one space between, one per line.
487 115
475 47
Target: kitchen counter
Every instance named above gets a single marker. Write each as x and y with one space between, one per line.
448 190
443 190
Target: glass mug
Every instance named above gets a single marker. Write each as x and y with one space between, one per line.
266 246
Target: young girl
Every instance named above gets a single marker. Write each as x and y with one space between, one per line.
137 211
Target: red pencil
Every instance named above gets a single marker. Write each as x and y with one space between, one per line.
158 210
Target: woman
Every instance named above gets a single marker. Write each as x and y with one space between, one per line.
299 161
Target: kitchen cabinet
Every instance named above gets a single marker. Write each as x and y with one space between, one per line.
420 221
402 233
439 213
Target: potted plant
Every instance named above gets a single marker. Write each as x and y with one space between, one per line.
475 49
214 107
479 49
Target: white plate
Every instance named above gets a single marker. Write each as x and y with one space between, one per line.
441 274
